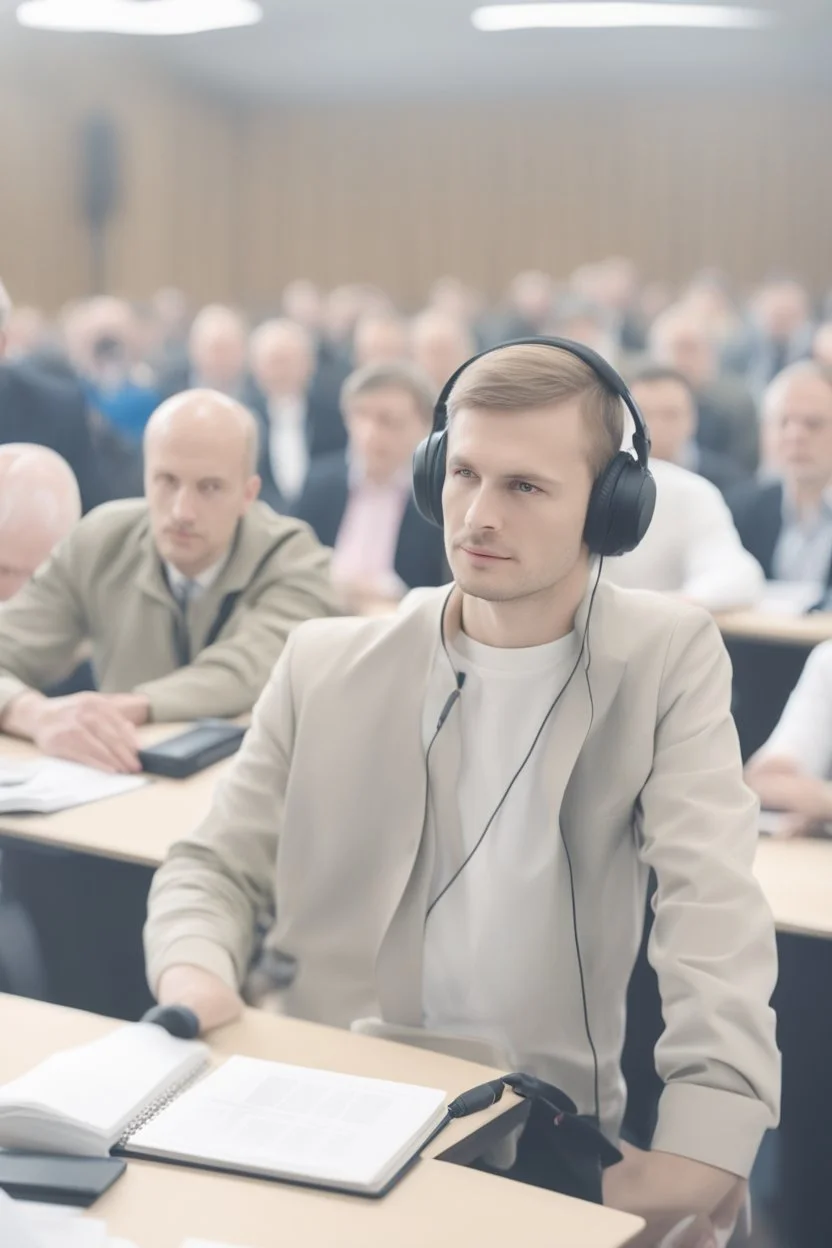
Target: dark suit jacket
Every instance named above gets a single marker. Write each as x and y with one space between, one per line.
420 550
758 514
50 410
325 435
718 469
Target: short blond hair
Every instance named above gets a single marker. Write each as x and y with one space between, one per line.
516 378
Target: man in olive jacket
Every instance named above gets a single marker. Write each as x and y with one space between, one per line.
185 598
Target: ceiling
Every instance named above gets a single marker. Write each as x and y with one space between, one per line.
329 49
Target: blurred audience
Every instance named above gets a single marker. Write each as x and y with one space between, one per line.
361 503
379 337
39 506
726 413
779 333
668 405
786 523
216 355
691 547
439 343
822 344
107 346
296 425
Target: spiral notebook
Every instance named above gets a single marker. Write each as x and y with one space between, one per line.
144 1093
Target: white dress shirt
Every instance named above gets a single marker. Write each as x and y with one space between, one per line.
804 547
288 446
186 588
692 547
804 732
476 981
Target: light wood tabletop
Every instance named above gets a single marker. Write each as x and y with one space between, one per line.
796 877
135 827
438 1203
781 630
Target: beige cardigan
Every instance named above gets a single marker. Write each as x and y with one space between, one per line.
105 585
321 821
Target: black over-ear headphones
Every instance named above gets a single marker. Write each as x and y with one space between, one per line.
623 497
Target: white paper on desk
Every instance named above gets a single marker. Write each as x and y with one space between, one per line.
26 1224
46 785
790 597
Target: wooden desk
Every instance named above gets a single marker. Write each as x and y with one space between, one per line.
439 1204
136 827
781 630
796 877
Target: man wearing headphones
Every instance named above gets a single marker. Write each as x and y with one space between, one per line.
446 818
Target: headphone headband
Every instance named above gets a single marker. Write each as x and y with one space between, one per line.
611 378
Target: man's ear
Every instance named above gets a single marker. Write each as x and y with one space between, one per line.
251 491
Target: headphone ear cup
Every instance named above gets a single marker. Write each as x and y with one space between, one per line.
620 508
429 477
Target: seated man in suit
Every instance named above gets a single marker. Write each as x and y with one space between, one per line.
379 337
362 503
216 357
39 505
692 548
727 413
186 597
298 421
669 406
787 523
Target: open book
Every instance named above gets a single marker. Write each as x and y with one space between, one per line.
139 1090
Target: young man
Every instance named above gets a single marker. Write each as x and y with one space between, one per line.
362 504
467 798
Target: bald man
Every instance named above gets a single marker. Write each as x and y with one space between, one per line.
186 597
39 505
216 354
297 406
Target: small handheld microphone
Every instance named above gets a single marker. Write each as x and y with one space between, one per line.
449 705
476 1099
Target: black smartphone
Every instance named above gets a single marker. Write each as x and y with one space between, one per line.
58 1180
188 752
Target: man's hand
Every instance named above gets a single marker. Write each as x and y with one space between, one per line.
85 728
806 797
683 1202
210 997
133 706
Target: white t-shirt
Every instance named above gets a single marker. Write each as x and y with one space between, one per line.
484 940
692 546
804 732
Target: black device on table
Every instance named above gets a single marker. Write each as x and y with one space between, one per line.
56 1179
189 752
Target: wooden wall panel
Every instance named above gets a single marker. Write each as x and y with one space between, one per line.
231 201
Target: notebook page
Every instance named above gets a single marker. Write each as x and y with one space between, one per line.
105 1084
51 784
292 1122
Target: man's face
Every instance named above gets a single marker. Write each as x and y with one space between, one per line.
282 366
668 408
688 350
515 499
781 310
799 431
22 551
385 427
197 490
218 355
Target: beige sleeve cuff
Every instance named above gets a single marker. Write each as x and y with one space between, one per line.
718 1128
10 688
192 951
